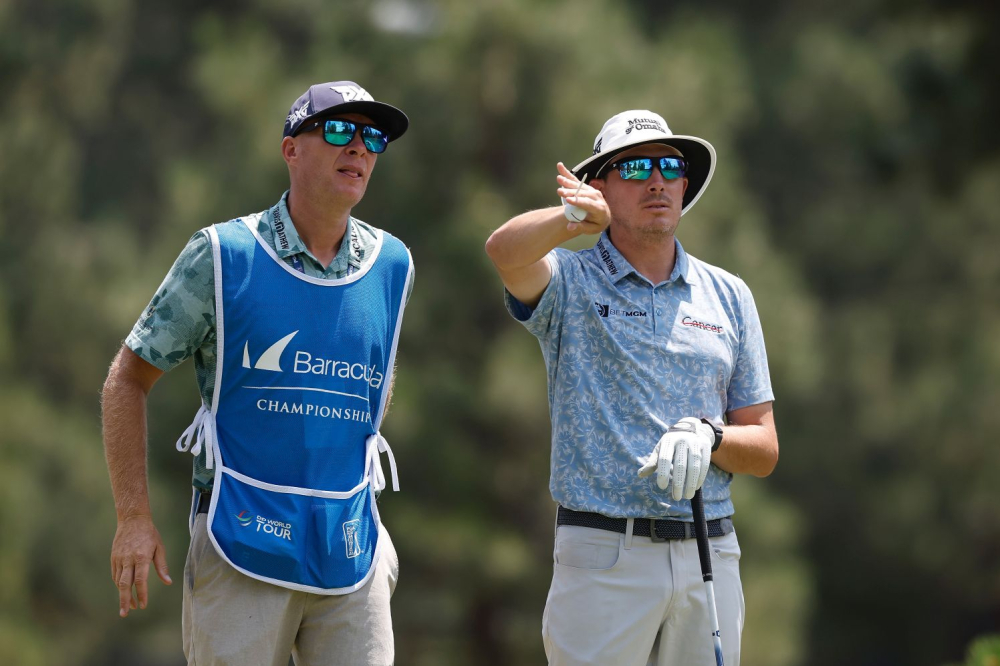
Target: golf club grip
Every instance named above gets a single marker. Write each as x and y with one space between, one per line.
701 532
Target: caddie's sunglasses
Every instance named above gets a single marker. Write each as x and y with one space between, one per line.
641 168
341 133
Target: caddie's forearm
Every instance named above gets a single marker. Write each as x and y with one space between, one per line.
525 239
747 449
123 409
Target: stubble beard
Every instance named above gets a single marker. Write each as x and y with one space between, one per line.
652 233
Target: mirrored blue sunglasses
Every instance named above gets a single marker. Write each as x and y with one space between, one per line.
341 133
641 168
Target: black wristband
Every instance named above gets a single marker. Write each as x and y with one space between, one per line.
718 434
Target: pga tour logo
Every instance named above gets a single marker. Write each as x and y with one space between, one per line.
351 539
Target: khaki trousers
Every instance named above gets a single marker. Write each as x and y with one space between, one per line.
613 605
230 619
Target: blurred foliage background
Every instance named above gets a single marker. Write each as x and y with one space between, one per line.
856 193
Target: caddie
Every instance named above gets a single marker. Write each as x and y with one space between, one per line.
292 316
658 385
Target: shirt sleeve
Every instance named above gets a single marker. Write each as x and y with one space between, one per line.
540 319
181 317
751 380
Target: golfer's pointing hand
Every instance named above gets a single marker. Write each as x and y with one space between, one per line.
137 544
585 197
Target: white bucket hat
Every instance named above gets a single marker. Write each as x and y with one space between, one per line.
640 127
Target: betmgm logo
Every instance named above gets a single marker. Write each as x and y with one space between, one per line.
306 363
351 538
605 310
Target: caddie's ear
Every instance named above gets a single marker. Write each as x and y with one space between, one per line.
289 150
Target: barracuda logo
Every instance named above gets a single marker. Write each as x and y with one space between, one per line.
307 363
270 359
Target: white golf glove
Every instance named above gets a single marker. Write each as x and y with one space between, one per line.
681 458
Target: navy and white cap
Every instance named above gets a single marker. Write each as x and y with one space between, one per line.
640 127
336 97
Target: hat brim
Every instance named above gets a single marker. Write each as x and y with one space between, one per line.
700 156
386 116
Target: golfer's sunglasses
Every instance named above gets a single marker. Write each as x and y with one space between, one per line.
341 133
641 168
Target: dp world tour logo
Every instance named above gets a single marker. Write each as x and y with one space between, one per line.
245 518
351 539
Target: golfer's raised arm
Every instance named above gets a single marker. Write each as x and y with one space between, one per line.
518 248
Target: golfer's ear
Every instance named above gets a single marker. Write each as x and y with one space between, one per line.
597 184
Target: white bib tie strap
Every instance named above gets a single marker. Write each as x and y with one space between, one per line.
376 445
200 433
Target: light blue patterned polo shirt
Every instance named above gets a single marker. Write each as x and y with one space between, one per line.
624 356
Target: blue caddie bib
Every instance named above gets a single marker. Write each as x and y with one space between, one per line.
303 371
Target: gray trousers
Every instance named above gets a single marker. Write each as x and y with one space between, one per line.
230 619
616 603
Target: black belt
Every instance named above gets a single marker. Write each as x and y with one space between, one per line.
662 530
204 500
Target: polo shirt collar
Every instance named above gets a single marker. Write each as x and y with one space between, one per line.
287 241
682 267
616 266
611 261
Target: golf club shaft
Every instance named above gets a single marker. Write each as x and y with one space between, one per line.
705 555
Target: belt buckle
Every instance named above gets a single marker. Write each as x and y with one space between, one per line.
653 536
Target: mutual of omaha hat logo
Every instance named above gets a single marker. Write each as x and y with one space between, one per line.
353 93
644 124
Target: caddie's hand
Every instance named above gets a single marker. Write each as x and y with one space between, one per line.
587 199
137 543
681 458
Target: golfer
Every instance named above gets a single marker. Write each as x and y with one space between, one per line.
658 385
292 316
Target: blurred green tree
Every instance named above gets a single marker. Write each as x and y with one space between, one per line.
855 193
